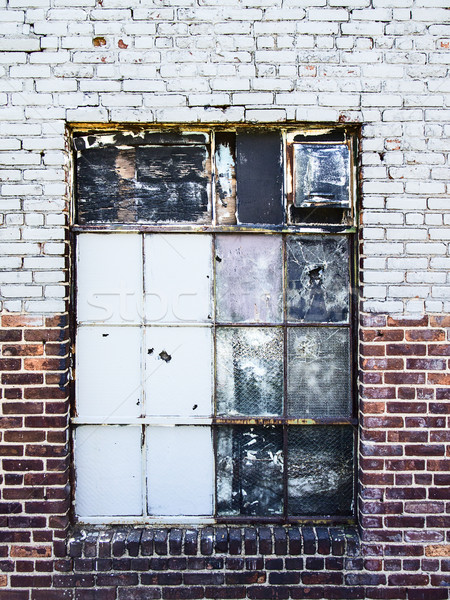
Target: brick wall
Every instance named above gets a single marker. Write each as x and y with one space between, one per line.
380 63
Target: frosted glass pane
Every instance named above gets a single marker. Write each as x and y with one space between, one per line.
108 471
109 278
179 470
178 377
178 278
319 372
249 278
249 371
108 368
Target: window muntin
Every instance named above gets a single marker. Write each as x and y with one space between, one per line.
248 314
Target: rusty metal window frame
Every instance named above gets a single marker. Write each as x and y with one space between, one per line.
284 421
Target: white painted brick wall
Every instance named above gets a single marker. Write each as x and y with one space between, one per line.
383 64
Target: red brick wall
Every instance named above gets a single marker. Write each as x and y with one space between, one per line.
402 547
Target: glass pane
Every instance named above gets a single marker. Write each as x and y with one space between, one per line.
168 183
178 278
318 372
249 279
109 278
318 278
249 371
320 470
108 471
178 377
108 368
249 471
322 174
180 470
173 183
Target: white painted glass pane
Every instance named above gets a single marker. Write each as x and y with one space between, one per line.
108 368
108 471
178 376
109 278
178 278
179 470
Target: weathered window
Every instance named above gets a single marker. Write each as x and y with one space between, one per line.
214 376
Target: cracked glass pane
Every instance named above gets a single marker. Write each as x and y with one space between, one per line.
249 278
249 471
318 279
320 470
322 173
318 372
249 371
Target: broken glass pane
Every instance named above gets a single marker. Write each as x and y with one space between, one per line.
180 472
318 372
249 278
249 371
322 173
108 471
178 278
320 470
318 279
178 375
249 471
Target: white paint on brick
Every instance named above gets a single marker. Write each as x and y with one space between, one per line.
383 64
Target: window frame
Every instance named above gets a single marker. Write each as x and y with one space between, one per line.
288 229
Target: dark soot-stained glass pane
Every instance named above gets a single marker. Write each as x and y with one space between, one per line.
322 173
259 177
320 470
318 279
249 279
143 183
175 180
249 471
249 367
318 372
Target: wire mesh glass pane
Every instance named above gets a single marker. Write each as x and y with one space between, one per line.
249 371
318 279
249 471
320 470
318 372
249 279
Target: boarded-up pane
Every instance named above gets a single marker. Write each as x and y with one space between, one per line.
109 278
178 278
178 376
321 174
108 372
180 470
249 278
318 372
318 279
143 183
259 174
249 371
320 470
225 178
108 471
249 471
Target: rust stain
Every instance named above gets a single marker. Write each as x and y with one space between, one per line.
122 45
28 552
99 41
